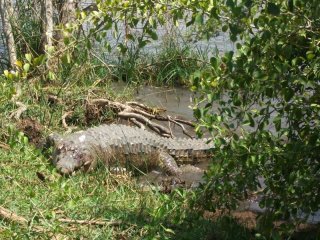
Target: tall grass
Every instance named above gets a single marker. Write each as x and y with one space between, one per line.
171 65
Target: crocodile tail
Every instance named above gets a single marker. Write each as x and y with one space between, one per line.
191 148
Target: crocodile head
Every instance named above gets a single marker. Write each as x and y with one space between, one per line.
70 155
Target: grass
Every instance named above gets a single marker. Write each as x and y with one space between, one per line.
171 65
97 195
31 187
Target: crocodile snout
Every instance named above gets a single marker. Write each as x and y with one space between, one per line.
67 166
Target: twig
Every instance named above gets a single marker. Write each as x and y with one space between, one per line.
144 107
139 124
64 122
142 115
90 222
17 114
4 146
190 123
12 217
169 125
155 126
167 118
180 125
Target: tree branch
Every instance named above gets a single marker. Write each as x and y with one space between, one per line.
142 115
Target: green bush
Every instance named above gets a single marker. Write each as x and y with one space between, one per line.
267 122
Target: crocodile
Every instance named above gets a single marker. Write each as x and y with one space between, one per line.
119 145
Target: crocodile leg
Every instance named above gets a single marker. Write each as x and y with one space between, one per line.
168 164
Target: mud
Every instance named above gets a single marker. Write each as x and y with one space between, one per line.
33 130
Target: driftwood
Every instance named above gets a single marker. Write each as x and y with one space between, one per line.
142 116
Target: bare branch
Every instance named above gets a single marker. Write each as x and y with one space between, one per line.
12 217
180 125
142 115
64 122
155 126
17 114
137 123
90 222
63 118
4 146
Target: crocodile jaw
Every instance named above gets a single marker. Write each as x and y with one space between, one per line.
69 158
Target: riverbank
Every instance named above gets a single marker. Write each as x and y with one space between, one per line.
33 189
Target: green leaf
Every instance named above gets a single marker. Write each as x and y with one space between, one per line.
28 57
122 48
230 3
168 230
6 73
26 67
142 43
39 60
310 55
288 94
214 63
50 49
51 75
225 28
251 121
107 46
66 59
199 19
152 34
269 92
191 22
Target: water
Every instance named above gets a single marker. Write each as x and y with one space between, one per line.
176 101
179 102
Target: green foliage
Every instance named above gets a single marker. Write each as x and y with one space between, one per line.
133 25
267 122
